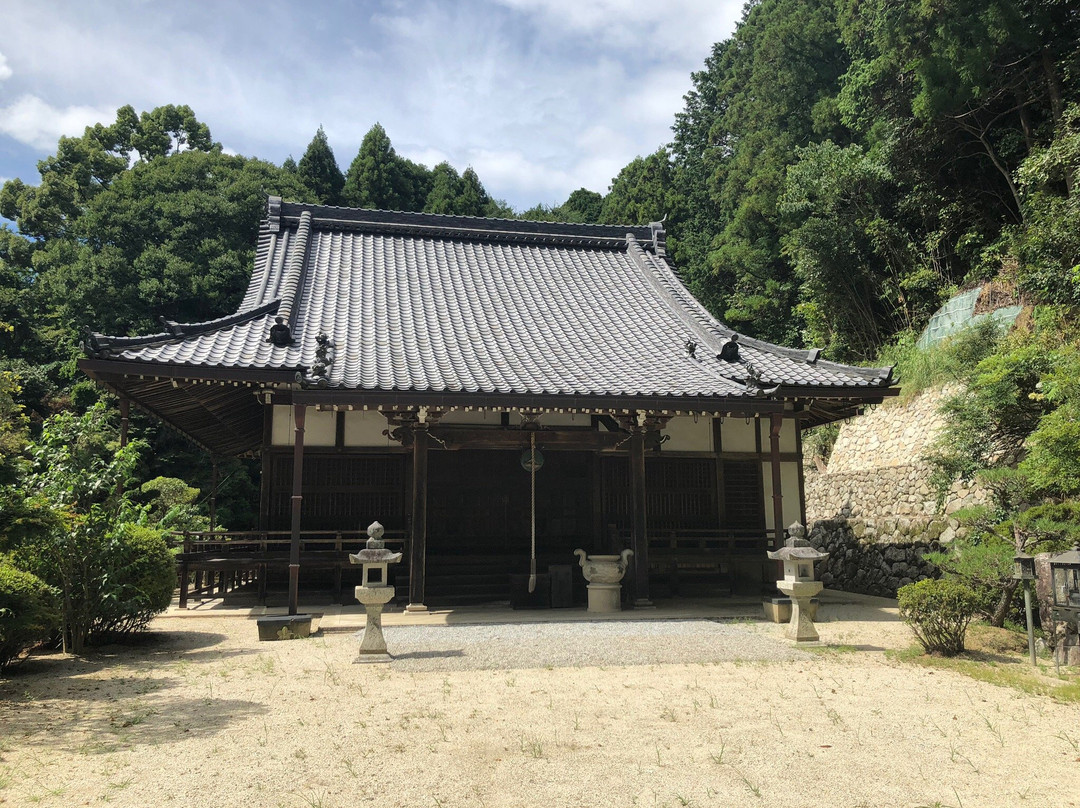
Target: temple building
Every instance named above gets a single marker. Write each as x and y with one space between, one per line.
493 390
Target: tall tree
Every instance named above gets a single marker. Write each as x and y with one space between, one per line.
377 177
473 200
446 190
644 191
319 171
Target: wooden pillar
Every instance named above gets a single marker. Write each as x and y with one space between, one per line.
213 493
125 418
299 413
266 465
640 536
418 540
776 422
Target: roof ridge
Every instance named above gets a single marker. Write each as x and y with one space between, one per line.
328 215
294 272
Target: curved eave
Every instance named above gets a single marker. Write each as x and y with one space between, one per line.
216 408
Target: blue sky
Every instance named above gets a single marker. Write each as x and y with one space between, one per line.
539 96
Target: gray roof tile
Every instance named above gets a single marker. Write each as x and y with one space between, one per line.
434 303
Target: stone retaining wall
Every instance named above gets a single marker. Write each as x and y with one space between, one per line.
873 508
860 561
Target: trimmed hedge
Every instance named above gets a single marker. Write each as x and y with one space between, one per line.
28 612
938 611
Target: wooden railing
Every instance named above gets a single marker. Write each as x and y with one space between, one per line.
213 563
681 556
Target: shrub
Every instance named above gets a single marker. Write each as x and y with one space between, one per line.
28 612
938 611
138 576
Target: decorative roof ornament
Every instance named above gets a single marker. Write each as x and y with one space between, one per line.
323 360
729 352
279 333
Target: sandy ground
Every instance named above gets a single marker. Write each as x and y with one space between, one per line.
203 714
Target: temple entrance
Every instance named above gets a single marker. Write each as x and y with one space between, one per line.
479 519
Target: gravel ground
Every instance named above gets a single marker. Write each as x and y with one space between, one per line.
578 645
656 714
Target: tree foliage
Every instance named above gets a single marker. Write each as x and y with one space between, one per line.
378 178
318 171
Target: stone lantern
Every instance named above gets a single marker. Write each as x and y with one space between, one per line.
374 590
799 583
1065 600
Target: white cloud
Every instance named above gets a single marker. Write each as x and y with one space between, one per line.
34 122
5 71
675 26
512 169
540 96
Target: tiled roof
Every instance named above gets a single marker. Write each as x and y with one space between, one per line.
442 303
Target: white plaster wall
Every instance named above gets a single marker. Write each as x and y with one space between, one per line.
688 436
319 427
563 419
474 417
365 428
738 436
789 487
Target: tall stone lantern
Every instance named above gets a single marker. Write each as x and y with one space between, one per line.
374 590
799 583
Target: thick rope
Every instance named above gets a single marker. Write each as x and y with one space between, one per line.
532 483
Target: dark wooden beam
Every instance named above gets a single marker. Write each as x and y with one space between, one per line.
299 413
418 540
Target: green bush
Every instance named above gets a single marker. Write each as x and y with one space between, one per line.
138 578
28 612
938 611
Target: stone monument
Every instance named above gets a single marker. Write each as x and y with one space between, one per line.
374 591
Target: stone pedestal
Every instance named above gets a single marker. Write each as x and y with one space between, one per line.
801 628
605 597
374 598
778 610
604 574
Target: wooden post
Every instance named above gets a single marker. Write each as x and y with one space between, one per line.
266 464
418 541
640 539
125 417
213 493
776 422
299 413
